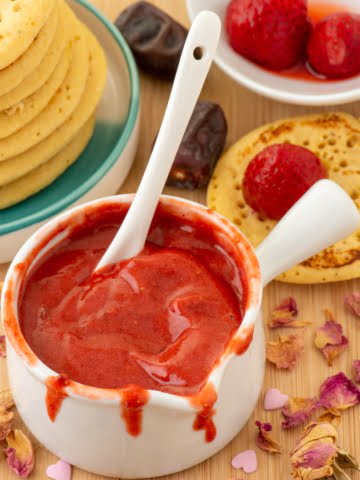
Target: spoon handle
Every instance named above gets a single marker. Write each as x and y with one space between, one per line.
194 65
322 217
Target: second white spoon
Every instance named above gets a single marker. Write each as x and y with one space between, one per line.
194 65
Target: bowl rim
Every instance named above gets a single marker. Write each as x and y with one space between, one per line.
129 125
22 263
294 98
323 99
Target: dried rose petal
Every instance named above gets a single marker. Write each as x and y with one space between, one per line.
317 455
297 411
346 461
310 474
6 417
330 417
286 351
264 440
339 393
6 420
352 301
6 399
356 368
330 339
2 346
285 315
20 454
315 452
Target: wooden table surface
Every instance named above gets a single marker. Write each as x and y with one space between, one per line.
245 111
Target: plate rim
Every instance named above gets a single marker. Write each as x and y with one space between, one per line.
134 107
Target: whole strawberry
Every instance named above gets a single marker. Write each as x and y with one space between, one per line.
272 33
278 176
334 46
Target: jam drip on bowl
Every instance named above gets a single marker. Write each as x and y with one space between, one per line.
204 404
133 401
55 394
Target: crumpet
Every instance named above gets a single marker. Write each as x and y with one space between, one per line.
335 139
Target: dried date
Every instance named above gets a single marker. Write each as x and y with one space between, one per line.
200 148
155 39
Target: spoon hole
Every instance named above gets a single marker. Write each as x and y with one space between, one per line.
198 53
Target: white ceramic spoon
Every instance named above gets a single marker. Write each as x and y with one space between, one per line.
322 217
196 59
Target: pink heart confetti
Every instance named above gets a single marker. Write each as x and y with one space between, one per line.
274 399
59 471
246 460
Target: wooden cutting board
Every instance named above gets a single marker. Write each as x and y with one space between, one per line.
244 111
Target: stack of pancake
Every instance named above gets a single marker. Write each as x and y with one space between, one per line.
52 75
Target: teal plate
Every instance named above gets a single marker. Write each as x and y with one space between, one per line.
64 190
111 149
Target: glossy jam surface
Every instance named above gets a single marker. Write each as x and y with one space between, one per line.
160 321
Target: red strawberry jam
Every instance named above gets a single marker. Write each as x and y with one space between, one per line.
334 46
272 33
160 320
278 176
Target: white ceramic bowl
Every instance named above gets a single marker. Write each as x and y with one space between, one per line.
105 163
275 86
89 431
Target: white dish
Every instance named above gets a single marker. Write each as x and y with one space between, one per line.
275 86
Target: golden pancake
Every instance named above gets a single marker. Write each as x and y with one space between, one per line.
43 176
14 118
62 104
21 21
15 73
43 71
335 139
22 164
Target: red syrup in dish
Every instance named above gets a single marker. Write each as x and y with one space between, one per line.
303 71
160 321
